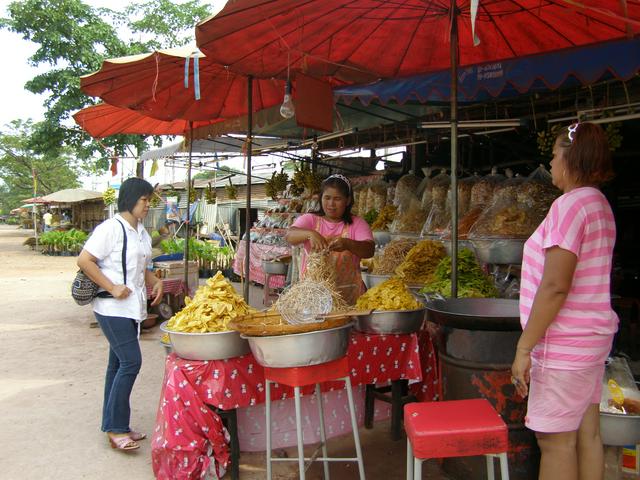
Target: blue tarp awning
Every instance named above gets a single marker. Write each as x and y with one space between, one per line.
585 65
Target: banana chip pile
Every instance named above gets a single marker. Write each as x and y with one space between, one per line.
391 294
212 308
421 261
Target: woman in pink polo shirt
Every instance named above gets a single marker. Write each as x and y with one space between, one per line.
565 310
334 228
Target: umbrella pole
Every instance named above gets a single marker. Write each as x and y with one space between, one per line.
245 289
186 235
454 149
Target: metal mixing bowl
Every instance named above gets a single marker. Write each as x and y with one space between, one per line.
381 237
390 322
371 280
207 346
300 349
502 251
461 244
619 429
275 267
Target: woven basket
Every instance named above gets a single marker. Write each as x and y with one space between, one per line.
264 324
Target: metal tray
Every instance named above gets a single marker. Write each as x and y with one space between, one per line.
371 280
500 251
207 346
391 322
496 314
300 349
619 429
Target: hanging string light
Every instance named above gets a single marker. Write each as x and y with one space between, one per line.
287 109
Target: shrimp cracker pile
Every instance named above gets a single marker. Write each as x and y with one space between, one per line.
212 308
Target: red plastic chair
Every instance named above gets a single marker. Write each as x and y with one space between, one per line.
455 428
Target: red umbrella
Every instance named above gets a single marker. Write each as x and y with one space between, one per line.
104 120
154 84
347 39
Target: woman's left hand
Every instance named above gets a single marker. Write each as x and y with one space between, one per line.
520 371
339 244
156 293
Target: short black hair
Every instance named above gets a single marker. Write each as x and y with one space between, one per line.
345 189
130 192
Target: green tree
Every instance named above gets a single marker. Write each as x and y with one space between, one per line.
20 160
73 39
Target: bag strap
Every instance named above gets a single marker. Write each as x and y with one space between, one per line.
124 252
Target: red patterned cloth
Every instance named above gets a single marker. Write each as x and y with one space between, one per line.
173 286
259 253
239 382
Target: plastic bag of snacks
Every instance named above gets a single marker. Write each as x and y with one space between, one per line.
538 192
409 219
482 190
360 193
377 196
505 218
619 393
427 187
406 190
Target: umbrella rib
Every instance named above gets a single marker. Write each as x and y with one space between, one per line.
542 21
406 50
570 5
504 37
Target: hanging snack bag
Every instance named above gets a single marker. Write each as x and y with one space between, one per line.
406 190
439 216
377 196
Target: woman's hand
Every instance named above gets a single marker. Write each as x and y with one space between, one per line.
339 244
156 293
520 371
317 241
120 292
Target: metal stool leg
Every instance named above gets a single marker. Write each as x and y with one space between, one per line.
491 474
409 460
267 414
369 405
354 426
323 435
417 468
299 433
504 466
265 298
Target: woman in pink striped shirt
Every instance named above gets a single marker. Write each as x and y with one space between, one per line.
565 310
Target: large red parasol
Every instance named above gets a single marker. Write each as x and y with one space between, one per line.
347 39
154 84
104 120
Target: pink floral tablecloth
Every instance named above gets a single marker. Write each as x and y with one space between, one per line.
259 253
188 442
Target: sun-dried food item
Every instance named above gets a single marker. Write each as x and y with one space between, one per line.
384 218
421 261
392 255
377 196
391 294
409 219
407 191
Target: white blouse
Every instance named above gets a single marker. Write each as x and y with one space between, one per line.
106 244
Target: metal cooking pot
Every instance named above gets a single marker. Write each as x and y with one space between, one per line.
495 314
619 429
207 346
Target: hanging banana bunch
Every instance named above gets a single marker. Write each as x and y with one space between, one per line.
211 195
297 182
231 190
109 196
193 194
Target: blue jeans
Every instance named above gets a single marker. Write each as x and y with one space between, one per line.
125 360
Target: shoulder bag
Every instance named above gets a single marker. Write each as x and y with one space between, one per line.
84 290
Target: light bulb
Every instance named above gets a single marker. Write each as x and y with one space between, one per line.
287 109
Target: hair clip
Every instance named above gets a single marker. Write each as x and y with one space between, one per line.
572 130
340 177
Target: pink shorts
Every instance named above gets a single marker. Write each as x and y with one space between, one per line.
558 399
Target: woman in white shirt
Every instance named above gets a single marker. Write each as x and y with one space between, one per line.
123 304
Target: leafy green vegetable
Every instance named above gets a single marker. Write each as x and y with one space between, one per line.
370 216
472 281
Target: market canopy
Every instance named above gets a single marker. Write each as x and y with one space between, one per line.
549 71
349 40
72 195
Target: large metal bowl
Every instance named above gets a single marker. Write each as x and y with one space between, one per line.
391 321
207 346
619 429
300 349
371 280
461 244
501 251
381 237
275 267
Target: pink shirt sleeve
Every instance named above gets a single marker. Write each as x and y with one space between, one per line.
306 222
360 230
565 225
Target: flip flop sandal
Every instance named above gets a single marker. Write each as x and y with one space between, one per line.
137 436
123 443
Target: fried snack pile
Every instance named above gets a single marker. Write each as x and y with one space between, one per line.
212 308
392 255
391 294
421 261
384 218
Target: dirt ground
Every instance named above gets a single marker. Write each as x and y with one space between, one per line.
51 380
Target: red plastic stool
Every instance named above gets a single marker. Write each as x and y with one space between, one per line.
297 377
455 428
